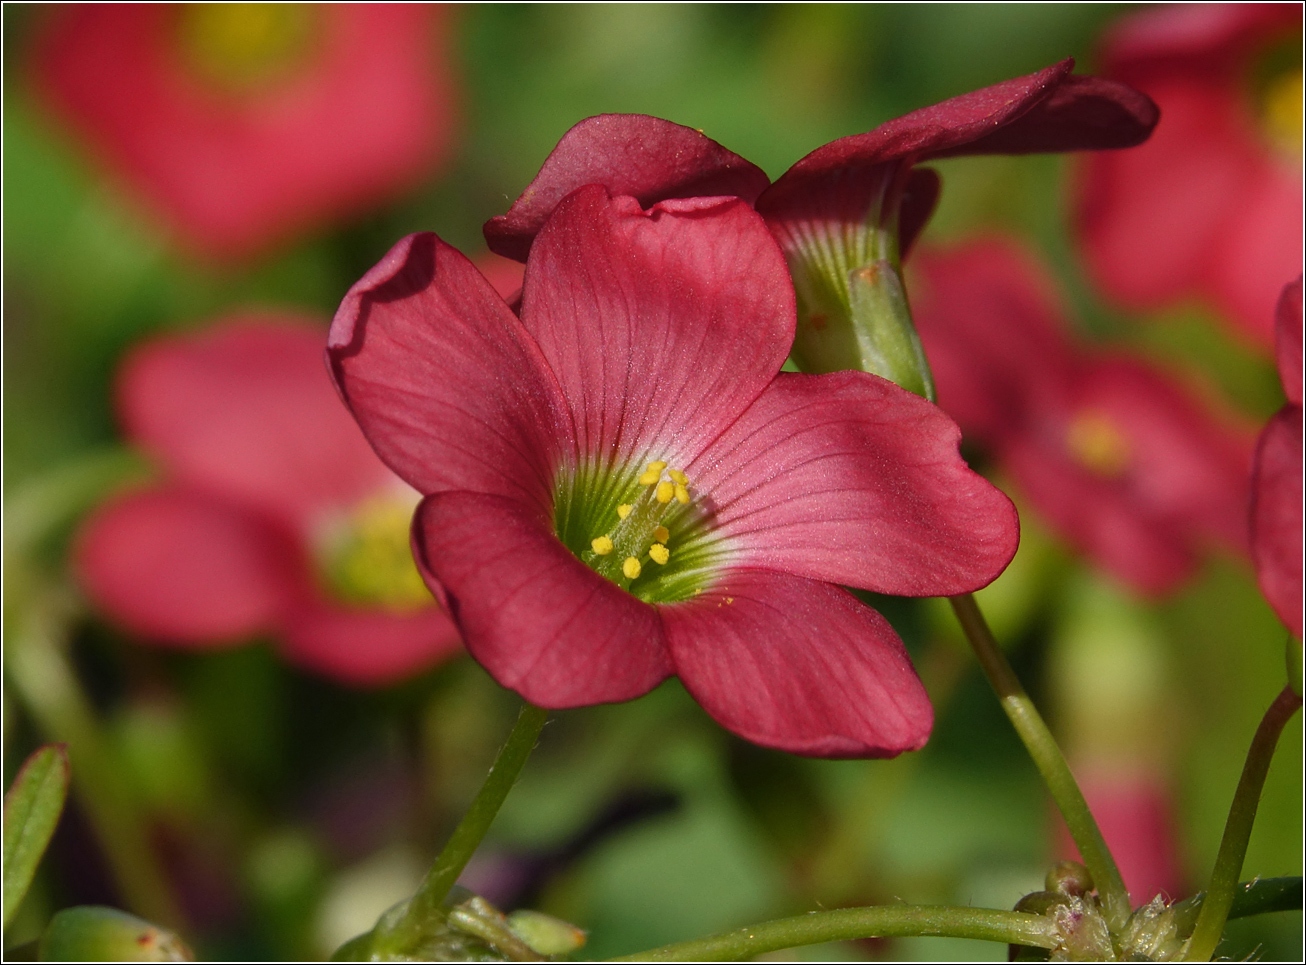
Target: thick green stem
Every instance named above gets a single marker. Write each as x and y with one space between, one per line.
425 904
845 924
1049 760
1238 829
43 678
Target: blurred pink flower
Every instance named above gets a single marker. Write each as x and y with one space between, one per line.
1126 464
273 515
621 485
1277 478
1212 205
243 124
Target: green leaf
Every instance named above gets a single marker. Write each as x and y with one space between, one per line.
94 933
32 809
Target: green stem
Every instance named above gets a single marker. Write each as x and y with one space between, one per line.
1256 897
845 924
1238 829
39 670
425 904
1049 760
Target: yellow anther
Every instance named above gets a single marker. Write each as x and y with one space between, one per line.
602 545
661 534
656 466
659 554
682 494
665 491
650 477
630 567
623 510
678 476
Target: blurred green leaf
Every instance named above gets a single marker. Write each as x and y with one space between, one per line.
93 933
32 809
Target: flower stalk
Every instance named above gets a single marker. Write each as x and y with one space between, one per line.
425 905
1238 829
1049 760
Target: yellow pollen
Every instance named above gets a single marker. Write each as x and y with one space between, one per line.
650 477
630 567
661 534
1096 442
659 554
682 494
665 491
602 545
656 466
623 510
1283 111
678 476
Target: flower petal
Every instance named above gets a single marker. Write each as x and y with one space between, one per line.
633 154
245 410
184 569
849 479
367 648
1288 340
662 326
532 614
448 387
1277 515
799 666
1045 111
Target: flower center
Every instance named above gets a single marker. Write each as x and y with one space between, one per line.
366 559
1096 442
1281 109
242 46
646 533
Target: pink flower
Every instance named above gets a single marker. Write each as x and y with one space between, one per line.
1211 206
846 213
243 124
1126 464
273 515
621 487
1277 478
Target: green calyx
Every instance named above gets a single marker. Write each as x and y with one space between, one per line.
643 528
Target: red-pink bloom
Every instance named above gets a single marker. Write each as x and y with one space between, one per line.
621 486
273 516
1210 206
845 213
1128 466
243 123
1277 477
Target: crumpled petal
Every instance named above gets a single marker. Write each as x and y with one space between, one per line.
368 648
850 479
245 410
627 306
799 666
449 388
1276 515
185 569
632 154
540 621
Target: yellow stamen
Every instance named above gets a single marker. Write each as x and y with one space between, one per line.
659 554
656 466
1097 443
650 477
665 491
1283 112
661 534
678 476
682 494
630 567
623 510
602 545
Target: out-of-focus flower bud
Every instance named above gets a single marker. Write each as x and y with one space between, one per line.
94 933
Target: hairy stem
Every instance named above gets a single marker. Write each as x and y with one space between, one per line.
1238 829
844 924
1049 760
425 904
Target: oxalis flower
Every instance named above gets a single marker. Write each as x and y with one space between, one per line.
272 516
846 214
621 486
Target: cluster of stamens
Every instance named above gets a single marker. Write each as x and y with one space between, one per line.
639 534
